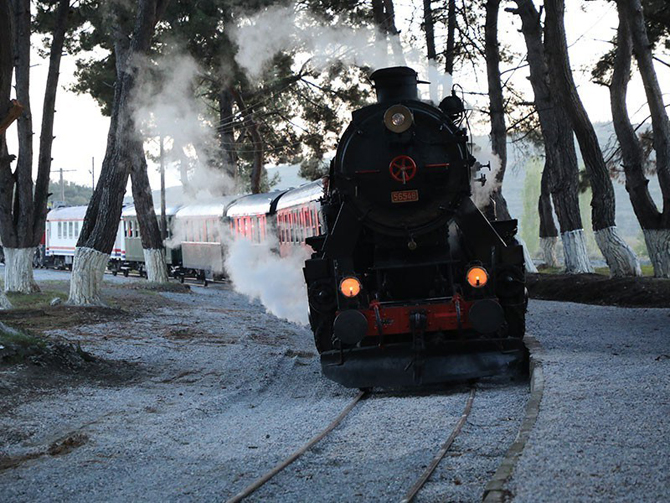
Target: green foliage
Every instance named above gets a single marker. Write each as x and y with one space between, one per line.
16 346
530 220
657 21
75 194
313 169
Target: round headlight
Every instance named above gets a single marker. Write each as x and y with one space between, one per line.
350 287
398 119
477 277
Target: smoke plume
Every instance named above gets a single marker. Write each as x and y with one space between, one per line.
260 273
323 44
168 105
481 194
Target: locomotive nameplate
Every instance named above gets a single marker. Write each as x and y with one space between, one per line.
404 196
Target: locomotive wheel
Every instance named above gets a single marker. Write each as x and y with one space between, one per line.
115 272
181 278
125 273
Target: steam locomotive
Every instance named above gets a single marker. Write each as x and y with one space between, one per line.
410 283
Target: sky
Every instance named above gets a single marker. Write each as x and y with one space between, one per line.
81 130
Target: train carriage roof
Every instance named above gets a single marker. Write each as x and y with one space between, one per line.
170 211
67 213
210 208
305 193
254 204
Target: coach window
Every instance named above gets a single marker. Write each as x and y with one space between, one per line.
296 219
60 230
280 226
70 227
76 229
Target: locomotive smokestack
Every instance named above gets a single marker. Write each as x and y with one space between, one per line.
395 84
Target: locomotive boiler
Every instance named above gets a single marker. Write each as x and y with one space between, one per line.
410 283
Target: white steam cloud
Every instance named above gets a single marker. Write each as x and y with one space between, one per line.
170 107
260 273
481 194
278 29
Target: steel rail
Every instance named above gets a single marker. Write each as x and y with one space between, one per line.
411 494
251 488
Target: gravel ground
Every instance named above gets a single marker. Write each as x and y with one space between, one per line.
224 391
61 275
603 432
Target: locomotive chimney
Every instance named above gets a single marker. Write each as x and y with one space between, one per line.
395 84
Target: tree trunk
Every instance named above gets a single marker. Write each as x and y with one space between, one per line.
6 67
655 224
658 244
86 279
104 211
451 37
23 197
548 230
384 16
227 133
659 116
619 256
429 28
48 112
152 241
561 158
18 245
393 32
24 211
19 270
497 113
496 104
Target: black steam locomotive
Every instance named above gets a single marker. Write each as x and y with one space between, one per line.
411 284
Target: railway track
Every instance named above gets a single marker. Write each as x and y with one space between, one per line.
413 490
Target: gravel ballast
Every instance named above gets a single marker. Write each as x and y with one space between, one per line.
603 432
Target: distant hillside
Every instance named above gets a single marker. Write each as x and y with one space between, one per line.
75 195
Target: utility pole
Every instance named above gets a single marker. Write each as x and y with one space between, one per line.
62 184
163 218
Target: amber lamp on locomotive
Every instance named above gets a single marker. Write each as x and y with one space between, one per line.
350 287
477 277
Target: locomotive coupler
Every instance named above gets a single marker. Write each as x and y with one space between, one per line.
418 321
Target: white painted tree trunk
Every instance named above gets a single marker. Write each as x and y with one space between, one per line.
19 270
87 273
620 257
528 263
4 302
575 254
658 246
549 247
154 261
